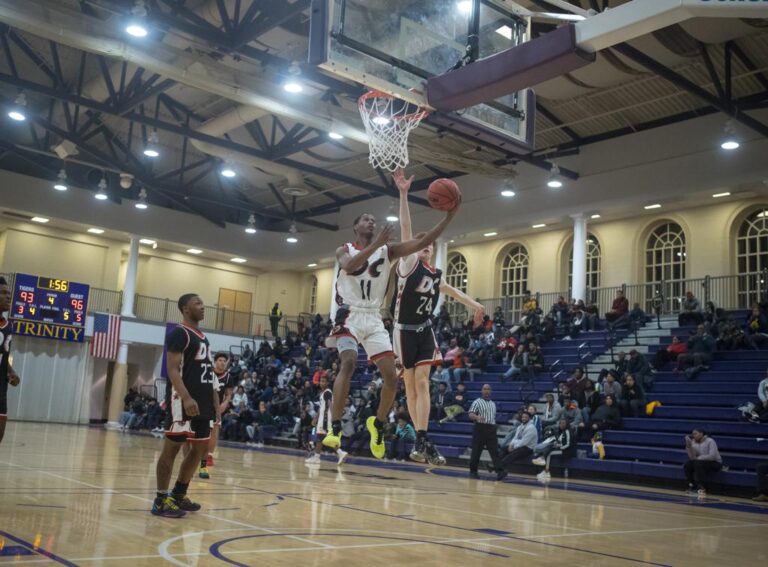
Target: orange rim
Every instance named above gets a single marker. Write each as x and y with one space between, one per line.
373 94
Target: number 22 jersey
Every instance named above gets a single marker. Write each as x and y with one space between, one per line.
196 369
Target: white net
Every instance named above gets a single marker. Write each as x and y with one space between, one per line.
388 122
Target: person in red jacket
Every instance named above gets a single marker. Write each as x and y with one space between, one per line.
671 353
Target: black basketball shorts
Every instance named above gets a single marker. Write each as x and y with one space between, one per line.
416 348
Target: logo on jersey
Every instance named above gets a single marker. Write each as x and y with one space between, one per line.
374 270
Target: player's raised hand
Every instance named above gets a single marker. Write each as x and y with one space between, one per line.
385 235
190 407
13 379
478 317
403 183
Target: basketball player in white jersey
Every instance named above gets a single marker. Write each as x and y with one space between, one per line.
419 286
364 268
323 424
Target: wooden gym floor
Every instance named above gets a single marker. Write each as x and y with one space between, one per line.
81 496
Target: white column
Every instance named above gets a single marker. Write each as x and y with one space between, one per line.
441 263
129 289
333 289
579 290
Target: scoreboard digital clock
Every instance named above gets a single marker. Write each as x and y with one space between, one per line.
50 308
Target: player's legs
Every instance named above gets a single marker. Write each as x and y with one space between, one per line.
207 459
421 389
197 449
341 384
386 365
164 505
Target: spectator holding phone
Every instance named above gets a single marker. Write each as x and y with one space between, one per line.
703 461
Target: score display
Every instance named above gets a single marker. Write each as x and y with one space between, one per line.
49 308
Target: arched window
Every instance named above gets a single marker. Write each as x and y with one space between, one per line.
457 273
593 263
665 259
752 256
514 272
313 296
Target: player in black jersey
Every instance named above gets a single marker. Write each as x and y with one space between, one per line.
7 375
226 385
193 401
418 290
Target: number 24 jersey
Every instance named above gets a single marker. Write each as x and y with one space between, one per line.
196 367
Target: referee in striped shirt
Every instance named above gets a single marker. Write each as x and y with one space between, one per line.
483 413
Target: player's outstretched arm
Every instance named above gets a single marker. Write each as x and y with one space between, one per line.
404 185
351 264
464 299
411 246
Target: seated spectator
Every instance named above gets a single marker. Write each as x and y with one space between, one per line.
703 461
577 384
498 320
551 414
561 443
440 400
637 316
518 366
522 445
560 312
633 398
592 314
607 416
699 354
506 347
459 406
459 371
154 415
672 352
239 400
535 358
262 427
732 336
611 386
690 311
639 368
759 411
578 322
619 310
572 413
757 328
592 401
404 433
620 367
530 309
536 420
762 482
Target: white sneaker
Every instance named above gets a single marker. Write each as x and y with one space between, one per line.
539 461
342 455
544 476
259 445
314 459
701 493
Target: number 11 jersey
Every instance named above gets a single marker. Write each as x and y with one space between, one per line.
366 288
196 370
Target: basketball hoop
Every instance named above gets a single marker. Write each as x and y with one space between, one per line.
388 122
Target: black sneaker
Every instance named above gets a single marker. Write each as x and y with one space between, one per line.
184 503
167 508
433 455
419 451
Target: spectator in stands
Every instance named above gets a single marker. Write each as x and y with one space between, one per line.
536 420
274 318
459 371
757 328
239 400
530 310
506 348
404 433
551 414
577 384
444 317
483 413
592 314
672 352
619 310
620 366
633 397
592 401
561 443
578 321
758 412
535 359
459 406
262 428
154 415
690 311
699 354
611 385
440 400
703 461
498 320
572 413
521 447
518 366
637 316
732 336
762 483
560 312
639 368
607 416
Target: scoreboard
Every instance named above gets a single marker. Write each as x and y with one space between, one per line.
50 308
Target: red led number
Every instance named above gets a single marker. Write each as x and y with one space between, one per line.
76 304
27 296
20 310
78 318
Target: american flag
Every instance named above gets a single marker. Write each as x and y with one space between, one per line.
106 336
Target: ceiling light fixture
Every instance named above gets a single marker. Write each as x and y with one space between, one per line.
554 181
392 218
507 193
101 194
730 142
228 171
312 265
251 228
464 7
654 206
540 225
41 220
147 242
291 240
293 84
487 234
96 231
718 195
381 120
194 251
238 260
137 25
61 181
153 148
335 136
141 204
595 216
19 110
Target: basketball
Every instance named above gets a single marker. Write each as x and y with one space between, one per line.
443 194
